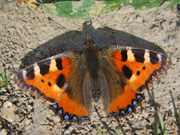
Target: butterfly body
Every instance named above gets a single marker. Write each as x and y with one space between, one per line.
72 80
91 60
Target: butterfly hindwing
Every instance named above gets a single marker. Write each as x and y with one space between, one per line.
136 69
75 105
54 81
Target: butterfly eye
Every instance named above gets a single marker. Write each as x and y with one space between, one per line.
89 43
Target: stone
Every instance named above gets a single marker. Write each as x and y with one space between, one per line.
8 112
3 132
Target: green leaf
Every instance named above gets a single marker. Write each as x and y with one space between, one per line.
81 9
143 4
156 124
4 81
174 3
97 128
2 93
158 119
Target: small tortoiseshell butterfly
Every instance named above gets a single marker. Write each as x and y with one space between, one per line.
116 75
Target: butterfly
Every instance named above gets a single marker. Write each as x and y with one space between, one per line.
72 80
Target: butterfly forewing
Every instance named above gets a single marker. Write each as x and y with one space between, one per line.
46 78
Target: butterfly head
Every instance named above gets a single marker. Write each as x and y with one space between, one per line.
89 42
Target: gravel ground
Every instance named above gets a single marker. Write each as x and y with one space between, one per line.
28 35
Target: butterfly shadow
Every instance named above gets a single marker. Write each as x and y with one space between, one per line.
74 40
108 128
176 114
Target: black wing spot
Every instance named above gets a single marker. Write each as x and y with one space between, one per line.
59 63
139 55
127 72
144 68
124 55
153 58
49 84
42 80
30 73
44 67
60 80
138 73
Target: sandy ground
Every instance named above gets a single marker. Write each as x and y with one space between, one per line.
28 35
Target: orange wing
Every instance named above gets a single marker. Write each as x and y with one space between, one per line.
134 69
52 80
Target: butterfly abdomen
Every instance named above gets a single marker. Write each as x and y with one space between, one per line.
92 64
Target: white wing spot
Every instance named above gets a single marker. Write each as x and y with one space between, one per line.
130 55
24 73
159 56
56 88
53 66
36 69
133 78
146 56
